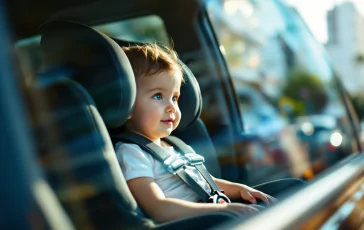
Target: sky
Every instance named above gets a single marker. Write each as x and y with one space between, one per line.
314 13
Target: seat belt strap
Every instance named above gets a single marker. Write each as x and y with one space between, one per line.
176 166
188 151
201 192
217 195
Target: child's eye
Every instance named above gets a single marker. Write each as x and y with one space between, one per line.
175 98
158 96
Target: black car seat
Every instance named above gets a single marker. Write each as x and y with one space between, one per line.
89 85
82 168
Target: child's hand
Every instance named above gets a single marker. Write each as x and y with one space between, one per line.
240 209
251 194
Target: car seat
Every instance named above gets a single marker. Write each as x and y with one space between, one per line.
27 201
89 85
83 168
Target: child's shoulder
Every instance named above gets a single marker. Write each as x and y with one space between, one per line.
121 146
129 150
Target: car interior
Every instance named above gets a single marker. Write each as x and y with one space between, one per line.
72 86
94 166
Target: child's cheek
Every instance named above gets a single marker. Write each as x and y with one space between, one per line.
178 118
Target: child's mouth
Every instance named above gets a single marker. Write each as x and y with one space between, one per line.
167 122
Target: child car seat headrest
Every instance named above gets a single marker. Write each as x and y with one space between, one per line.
190 100
96 62
101 66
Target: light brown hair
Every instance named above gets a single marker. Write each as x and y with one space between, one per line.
150 59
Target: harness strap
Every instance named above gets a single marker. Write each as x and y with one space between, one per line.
186 151
217 195
175 166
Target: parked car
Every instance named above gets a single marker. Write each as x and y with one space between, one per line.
259 70
327 143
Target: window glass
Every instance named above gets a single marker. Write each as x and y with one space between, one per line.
287 93
148 28
143 29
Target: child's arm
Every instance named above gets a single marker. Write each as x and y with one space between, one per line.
236 191
152 200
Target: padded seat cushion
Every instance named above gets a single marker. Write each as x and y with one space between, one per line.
98 64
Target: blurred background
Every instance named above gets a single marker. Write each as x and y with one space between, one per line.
339 26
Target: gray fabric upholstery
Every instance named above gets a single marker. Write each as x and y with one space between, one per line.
83 170
98 64
190 101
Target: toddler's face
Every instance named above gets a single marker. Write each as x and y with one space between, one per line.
156 113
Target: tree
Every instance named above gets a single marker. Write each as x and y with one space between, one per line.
307 92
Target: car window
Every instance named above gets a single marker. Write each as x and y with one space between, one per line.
149 28
287 92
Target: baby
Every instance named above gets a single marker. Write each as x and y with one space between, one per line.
161 194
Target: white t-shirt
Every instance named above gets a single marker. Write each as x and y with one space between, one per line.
135 162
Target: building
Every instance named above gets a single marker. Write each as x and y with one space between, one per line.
346 44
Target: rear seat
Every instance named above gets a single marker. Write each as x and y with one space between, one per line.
83 169
90 86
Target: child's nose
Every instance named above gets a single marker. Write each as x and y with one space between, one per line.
171 107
